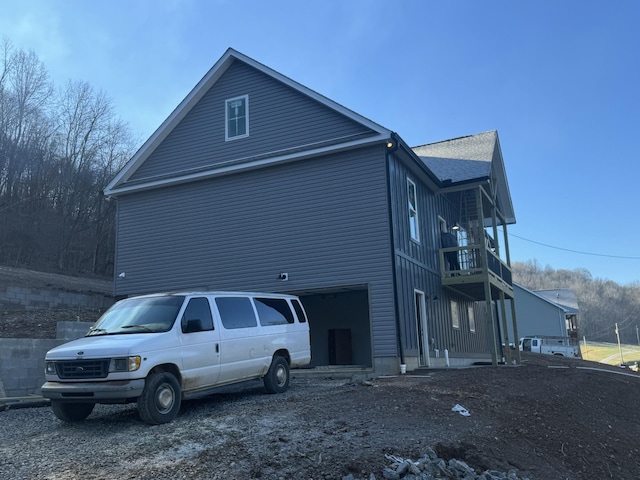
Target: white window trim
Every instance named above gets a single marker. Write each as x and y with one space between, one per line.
421 317
455 314
442 225
227 138
472 320
413 210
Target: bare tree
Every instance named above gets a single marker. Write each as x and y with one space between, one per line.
90 139
25 91
57 153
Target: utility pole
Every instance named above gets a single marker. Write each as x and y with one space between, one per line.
637 335
619 347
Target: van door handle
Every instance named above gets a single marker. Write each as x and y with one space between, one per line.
217 348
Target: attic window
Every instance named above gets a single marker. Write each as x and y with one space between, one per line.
237 118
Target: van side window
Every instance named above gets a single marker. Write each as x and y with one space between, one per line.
302 318
236 312
273 311
197 316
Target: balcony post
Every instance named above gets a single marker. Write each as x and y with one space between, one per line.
487 286
483 249
491 331
516 339
503 314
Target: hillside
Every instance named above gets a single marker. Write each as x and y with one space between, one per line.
42 323
22 277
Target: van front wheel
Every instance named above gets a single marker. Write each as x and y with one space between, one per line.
160 399
277 378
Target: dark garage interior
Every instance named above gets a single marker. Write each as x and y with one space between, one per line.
340 327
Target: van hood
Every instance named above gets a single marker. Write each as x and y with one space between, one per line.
108 346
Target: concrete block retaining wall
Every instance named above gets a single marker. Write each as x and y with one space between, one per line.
22 359
23 298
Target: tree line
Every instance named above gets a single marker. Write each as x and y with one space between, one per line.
59 147
602 303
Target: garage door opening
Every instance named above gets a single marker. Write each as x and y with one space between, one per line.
340 328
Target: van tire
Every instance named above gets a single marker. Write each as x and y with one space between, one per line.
277 378
72 412
160 400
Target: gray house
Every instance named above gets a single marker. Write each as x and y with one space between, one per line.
549 313
256 182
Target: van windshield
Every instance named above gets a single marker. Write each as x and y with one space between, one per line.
139 315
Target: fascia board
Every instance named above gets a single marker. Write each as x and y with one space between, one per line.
199 91
313 94
172 120
464 185
505 193
239 167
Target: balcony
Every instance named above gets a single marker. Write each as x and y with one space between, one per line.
476 269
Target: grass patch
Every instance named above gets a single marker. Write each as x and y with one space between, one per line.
609 353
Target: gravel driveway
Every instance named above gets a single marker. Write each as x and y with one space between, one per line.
569 422
243 433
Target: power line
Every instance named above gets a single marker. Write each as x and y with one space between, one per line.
573 251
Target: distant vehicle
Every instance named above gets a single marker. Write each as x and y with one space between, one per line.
561 346
633 366
159 349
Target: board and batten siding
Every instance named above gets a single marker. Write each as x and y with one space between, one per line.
280 119
323 221
417 268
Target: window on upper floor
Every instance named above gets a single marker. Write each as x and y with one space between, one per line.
237 117
412 195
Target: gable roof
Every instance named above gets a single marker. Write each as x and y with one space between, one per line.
564 297
470 159
460 159
119 183
541 297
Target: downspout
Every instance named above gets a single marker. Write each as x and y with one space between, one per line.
392 146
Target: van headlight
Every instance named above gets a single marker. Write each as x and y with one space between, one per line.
50 368
125 364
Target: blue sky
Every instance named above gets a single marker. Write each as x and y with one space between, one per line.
559 80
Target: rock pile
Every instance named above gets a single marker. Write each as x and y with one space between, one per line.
431 467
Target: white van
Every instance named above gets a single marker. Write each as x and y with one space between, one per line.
160 349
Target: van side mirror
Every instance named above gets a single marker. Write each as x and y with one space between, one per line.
193 325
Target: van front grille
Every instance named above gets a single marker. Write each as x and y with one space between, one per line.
76 369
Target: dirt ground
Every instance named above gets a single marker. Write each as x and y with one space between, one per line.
549 418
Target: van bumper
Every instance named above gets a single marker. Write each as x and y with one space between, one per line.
93 391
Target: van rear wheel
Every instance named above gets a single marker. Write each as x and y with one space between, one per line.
71 412
160 399
277 378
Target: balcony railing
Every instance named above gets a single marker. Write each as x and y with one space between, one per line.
464 269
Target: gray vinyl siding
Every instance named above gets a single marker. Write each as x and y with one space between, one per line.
417 268
324 221
281 119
